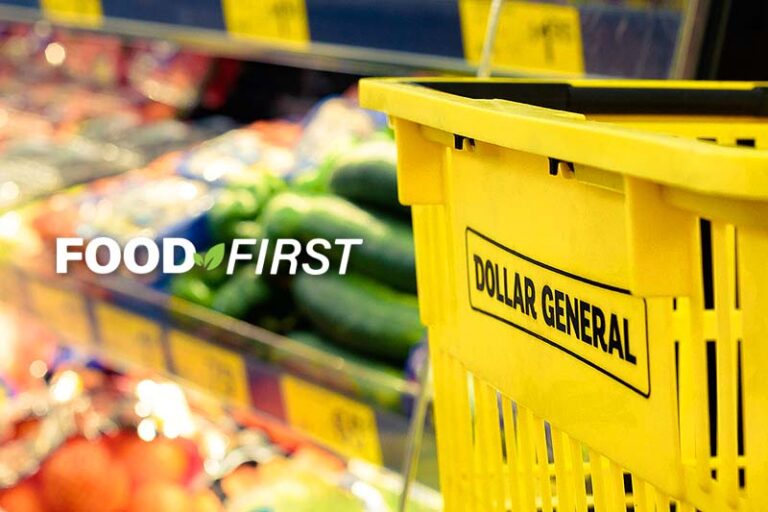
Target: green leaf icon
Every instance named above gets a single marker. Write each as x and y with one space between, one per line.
198 259
214 257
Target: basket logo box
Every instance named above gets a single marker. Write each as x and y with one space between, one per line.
598 324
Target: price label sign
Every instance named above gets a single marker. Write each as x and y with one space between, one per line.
76 12
6 392
134 337
529 35
344 425
282 21
10 286
213 368
65 311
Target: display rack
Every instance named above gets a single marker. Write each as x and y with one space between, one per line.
398 36
130 324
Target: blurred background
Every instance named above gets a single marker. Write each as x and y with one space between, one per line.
212 121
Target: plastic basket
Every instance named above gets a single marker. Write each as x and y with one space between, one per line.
595 283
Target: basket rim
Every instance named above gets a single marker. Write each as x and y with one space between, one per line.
677 162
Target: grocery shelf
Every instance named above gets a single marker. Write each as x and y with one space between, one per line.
399 36
130 324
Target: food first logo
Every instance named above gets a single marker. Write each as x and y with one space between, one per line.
598 324
142 255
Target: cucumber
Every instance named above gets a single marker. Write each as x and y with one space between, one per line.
387 252
232 205
360 314
241 201
213 278
261 183
247 229
310 182
192 288
242 293
239 229
369 177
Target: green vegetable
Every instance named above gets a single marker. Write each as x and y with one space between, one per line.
232 205
214 277
242 293
369 177
387 252
241 201
317 180
240 229
262 185
386 133
311 182
361 314
191 287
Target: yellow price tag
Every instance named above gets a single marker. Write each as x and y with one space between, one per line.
215 369
532 36
64 311
77 12
275 20
134 337
10 288
344 425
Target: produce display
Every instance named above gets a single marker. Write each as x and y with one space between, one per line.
67 116
253 183
88 439
372 310
111 158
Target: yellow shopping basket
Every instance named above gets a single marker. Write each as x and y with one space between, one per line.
593 269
